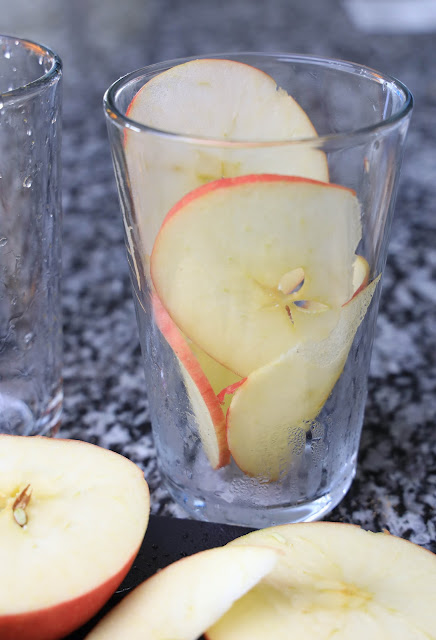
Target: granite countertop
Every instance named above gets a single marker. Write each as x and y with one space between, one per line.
105 394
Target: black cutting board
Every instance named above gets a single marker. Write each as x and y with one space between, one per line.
166 540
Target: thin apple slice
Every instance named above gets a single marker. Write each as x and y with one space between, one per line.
279 401
188 596
360 280
207 409
336 581
218 376
224 252
360 274
72 518
218 100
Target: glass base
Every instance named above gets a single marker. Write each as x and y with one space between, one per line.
210 509
16 417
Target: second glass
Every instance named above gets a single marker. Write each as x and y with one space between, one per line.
257 195
30 239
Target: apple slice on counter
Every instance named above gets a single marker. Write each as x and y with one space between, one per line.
72 519
218 100
274 407
207 409
229 253
188 596
335 581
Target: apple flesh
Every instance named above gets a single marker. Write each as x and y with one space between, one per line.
72 518
222 101
205 406
276 405
188 596
225 250
335 581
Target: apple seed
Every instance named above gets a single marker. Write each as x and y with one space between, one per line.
20 504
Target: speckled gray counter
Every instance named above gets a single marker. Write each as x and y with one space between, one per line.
105 394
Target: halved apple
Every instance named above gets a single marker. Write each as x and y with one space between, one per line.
188 596
220 101
226 250
279 401
72 518
207 409
335 581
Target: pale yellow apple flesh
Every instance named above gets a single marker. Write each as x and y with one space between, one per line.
198 370
221 101
72 518
223 252
184 599
335 581
274 407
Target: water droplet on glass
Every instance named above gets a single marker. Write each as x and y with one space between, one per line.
7 54
29 132
1 104
40 59
28 337
3 241
27 182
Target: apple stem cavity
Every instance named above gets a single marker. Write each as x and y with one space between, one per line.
20 504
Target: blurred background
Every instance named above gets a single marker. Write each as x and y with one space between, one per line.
105 400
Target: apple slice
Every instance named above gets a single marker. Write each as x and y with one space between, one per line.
226 251
360 274
207 409
72 518
278 402
360 280
218 100
188 596
335 581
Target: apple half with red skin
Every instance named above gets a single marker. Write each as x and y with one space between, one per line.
188 596
72 519
226 103
207 409
226 253
335 581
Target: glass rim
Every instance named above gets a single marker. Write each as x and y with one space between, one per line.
118 118
45 79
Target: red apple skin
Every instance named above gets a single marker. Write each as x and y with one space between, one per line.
54 623
180 347
230 389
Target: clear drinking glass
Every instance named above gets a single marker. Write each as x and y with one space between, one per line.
251 427
30 242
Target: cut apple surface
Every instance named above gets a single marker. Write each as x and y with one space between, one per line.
222 101
72 518
335 581
207 409
188 596
277 403
223 255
